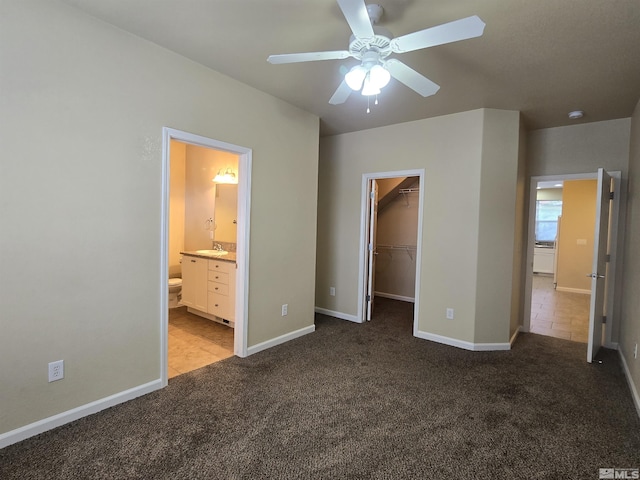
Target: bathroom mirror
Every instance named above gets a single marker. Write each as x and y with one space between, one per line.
225 212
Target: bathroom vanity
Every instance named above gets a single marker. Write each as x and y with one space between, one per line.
209 285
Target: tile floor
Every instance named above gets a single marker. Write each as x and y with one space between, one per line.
195 342
558 314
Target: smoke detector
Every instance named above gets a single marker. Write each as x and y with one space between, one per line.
576 114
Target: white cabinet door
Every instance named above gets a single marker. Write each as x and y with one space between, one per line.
194 282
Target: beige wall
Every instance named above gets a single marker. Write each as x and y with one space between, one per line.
630 317
520 237
575 258
583 149
397 225
176 206
498 236
82 109
467 177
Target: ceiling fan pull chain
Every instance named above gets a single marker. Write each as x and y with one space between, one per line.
376 102
368 109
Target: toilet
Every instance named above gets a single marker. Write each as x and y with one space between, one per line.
175 289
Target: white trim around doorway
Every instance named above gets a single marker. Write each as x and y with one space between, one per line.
617 176
362 251
242 254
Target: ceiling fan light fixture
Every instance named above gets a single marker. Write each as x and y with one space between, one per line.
369 89
379 76
355 77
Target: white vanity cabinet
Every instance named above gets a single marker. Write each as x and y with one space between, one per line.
209 288
221 289
194 282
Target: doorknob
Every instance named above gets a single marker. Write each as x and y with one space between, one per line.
594 275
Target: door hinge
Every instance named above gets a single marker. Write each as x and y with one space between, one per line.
372 195
604 319
370 246
368 298
611 195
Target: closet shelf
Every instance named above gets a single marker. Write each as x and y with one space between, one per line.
410 249
405 191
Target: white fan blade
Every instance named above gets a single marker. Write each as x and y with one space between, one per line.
355 11
307 57
455 31
411 78
341 94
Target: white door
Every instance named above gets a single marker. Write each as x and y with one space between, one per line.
599 268
371 247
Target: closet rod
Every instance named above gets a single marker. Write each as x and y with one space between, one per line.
407 248
397 247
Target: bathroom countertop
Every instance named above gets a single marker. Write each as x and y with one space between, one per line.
229 257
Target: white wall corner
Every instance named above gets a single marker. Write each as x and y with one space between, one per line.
281 339
340 315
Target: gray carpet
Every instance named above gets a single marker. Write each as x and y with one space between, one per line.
359 401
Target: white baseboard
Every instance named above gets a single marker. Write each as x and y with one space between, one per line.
281 339
393 296
573 290
632 386
49 423
454 342
340 315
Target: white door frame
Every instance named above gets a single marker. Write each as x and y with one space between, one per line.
242 254
616 175
363 250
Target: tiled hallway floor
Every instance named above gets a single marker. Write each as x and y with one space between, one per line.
195 342
558 314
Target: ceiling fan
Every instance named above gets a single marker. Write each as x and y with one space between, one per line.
373 47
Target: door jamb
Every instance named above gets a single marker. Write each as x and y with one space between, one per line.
242 254
363 239
616 175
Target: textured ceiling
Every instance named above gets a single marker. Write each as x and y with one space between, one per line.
541 57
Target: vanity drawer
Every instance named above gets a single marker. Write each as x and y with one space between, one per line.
218 266
219 305
218 288
219 277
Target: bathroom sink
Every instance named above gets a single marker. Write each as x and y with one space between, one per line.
215 253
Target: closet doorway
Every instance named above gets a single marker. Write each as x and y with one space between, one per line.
391 240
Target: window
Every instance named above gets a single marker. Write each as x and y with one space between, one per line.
547 213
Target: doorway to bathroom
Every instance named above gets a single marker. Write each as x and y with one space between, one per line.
205 232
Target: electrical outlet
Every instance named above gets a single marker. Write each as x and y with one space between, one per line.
332 291
285 309
56 370
449 313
